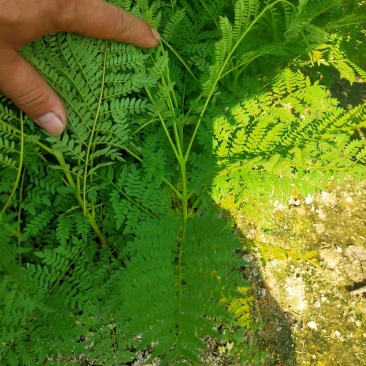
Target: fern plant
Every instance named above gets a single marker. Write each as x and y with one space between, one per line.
110 235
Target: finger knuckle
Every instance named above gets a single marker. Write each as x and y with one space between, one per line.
65 13
33 98
13 14
119 22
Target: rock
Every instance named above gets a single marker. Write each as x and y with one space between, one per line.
355 263
295 288
331 257
312 325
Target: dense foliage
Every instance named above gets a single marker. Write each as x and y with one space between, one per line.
110 238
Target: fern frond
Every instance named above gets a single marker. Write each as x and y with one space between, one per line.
276 135
245 12
191 290
226 113
171 25
37 224
136 198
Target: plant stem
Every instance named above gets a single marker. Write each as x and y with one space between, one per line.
164 127
222 68
21 155
58 155
180 59
184 196
91 137
78 197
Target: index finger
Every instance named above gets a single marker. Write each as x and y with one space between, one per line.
99 19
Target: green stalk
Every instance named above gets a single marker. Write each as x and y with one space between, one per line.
58 155
222 68
20 167
210 13
180 280
164 127
93 132
180 59
184 196
78 197
19 238
176 105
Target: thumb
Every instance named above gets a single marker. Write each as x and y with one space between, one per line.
99 19
26 88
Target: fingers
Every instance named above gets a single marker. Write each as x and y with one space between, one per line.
93 18
21 83
98 19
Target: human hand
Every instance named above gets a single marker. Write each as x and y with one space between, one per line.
24 21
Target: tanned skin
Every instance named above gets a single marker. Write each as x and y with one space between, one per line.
24 21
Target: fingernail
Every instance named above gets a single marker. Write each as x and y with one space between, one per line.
51 123
156 34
